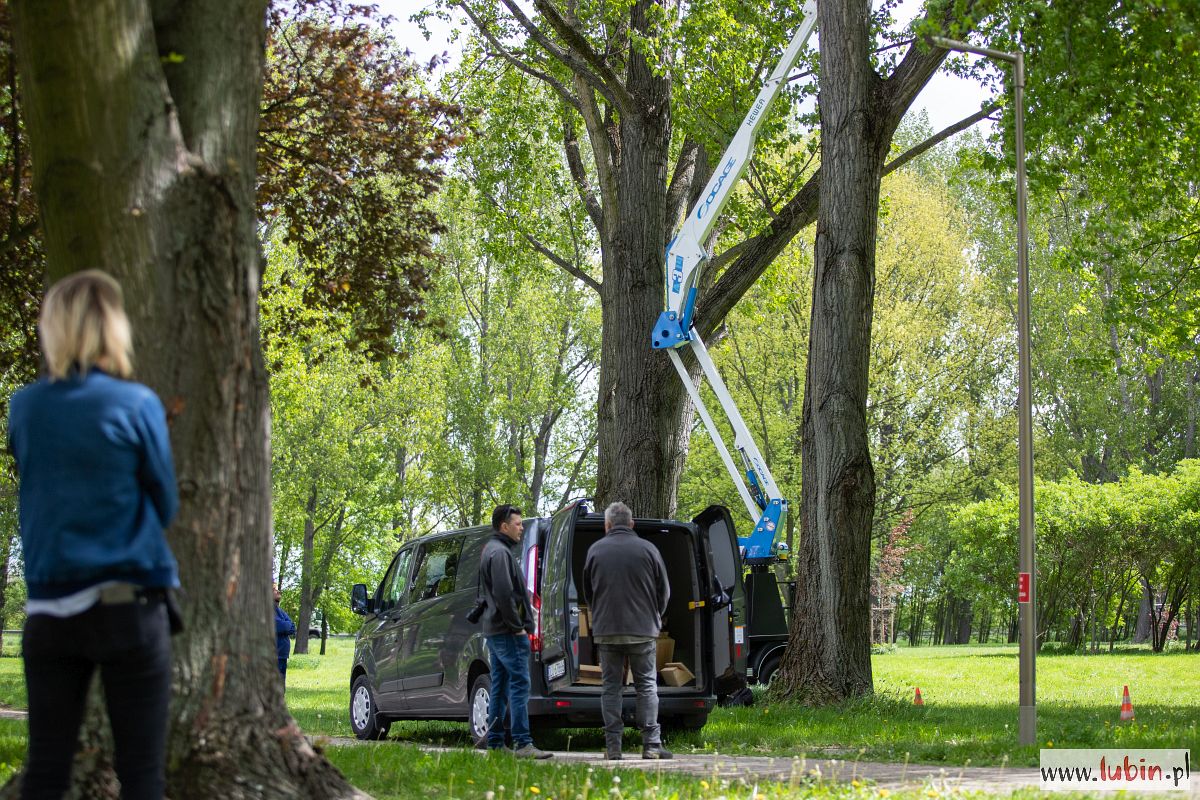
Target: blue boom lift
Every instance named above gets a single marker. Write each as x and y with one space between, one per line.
766 625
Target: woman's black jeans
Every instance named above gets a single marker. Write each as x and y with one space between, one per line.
131 644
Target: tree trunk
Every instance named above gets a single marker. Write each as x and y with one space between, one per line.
829 657
644 420
1187 621
304 618
6 543
1142 633
145 168
916 622
966 618
939 620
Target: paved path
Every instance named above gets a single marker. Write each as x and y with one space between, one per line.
995 780
1001 780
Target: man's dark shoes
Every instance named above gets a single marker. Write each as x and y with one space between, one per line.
656 751
613 753
529 751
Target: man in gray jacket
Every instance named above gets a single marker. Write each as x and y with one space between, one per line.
507 621
625 585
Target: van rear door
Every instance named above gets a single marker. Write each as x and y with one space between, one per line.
729 623
559 632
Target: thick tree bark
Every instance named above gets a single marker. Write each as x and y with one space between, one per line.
643 419
830 656
142 117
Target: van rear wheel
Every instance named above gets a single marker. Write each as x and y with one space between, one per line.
686 722
477 713
766 672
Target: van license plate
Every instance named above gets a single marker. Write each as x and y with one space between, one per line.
556 670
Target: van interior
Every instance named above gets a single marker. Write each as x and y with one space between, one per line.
682 625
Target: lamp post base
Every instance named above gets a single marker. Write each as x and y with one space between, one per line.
1027 725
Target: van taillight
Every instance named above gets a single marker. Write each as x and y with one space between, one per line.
531 574
535 641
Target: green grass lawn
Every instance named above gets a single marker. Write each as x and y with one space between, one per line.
969 719
391 771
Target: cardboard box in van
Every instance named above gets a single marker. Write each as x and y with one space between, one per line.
665 650
589 675
676 674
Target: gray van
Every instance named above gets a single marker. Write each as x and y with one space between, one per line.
417 656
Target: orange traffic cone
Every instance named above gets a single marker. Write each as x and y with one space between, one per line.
917 701
1126 707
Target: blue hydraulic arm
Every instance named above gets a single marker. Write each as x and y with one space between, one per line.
673 331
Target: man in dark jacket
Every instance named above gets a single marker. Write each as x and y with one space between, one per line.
285 629
625 585
507 621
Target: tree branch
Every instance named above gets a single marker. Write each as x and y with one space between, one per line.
579 44
18 235
579 175
602 146
579 462
554 83
682 179
571 59
554 257
561 262
939 137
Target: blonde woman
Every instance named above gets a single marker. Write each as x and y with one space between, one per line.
97 490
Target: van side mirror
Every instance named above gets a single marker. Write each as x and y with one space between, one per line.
359 602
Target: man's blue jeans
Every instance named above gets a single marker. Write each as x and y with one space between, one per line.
510 688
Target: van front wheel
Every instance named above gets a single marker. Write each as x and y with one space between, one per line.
364 713
477 714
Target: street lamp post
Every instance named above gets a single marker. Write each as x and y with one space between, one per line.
1027 580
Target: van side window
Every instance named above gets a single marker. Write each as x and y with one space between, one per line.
393 593
437 569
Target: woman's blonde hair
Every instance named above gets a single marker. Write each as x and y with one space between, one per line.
83 324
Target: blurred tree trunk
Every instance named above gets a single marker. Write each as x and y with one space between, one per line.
142 118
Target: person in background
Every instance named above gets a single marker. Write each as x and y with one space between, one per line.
97 491
625 586
507 623
285 629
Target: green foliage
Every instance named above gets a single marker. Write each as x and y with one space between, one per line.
351 149
490 404
1094 541
1113 124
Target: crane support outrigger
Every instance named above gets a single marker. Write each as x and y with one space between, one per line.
674 331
